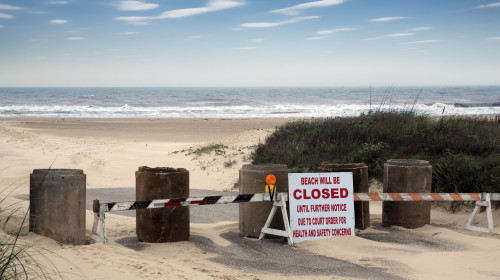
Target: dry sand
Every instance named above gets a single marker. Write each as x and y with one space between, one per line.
110 151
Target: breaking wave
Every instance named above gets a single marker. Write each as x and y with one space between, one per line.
242 111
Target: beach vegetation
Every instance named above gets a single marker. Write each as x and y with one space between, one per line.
463 151
230 163
219 149
18 259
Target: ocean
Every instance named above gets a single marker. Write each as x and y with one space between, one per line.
245 102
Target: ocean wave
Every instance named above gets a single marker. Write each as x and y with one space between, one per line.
241 111
472 105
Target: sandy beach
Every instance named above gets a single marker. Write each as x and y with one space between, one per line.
109 151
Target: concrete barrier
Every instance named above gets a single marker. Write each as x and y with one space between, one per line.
168 224
407 176
57 204
253 216
360 185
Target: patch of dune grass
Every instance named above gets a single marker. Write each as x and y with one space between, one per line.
463 151
20 260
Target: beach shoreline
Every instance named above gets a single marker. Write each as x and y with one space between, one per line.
181 130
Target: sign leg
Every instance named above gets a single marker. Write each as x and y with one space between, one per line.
487 204
284 233
285 220
268 222
98 216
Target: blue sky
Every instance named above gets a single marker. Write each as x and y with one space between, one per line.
249 42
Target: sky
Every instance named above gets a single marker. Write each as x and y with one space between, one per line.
249 43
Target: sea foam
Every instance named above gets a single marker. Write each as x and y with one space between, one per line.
243 102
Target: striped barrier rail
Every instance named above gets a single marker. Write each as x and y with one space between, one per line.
190 201
425 196
101 208
482 199
207 200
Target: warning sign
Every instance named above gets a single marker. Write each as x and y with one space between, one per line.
321 205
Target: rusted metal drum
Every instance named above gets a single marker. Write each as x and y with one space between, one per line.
360 184
57 204
253 215
168 224
407 176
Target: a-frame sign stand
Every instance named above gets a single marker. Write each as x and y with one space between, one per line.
487 204
281 203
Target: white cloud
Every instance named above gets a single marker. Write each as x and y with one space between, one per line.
274 24
194 37
316 38
421 42
492 5
245 48
1 26
133 5
421 28
397 35
9 7
494 38
130 33
58 21
323 33
384 19
258 40
58 2
6 16
211 6
393 35
75 38
295 10
331 31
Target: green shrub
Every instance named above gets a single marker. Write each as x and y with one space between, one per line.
464 151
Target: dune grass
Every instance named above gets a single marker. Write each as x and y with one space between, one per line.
20 260
463 151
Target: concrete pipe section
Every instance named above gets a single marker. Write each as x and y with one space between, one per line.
57 204
360 184
407 176
253 216
168 224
